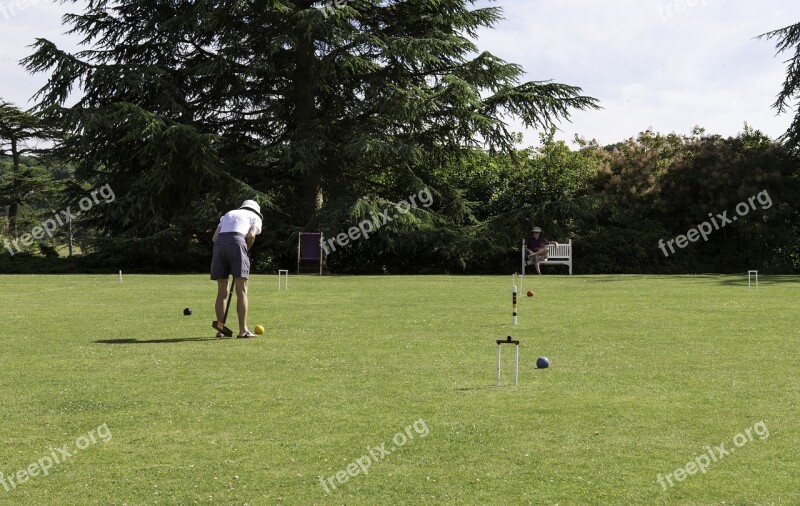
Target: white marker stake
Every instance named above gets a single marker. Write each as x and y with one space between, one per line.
120 276
514 299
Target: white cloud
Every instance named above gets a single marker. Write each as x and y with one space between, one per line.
651 64
21 23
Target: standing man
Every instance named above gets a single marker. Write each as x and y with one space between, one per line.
536 247
233 238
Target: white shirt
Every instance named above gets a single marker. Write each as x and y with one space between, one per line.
240 221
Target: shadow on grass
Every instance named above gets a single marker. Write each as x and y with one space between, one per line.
607 278
763 280
475 389
487 387
735 279
158 341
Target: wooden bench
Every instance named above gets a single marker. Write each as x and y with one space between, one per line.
556 255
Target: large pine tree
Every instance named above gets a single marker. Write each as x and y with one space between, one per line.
788 41
19 133
186 106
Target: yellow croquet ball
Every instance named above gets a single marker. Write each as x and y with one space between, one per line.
259 329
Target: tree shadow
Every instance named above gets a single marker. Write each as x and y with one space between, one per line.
158 341
763 280
607 278
475 389
480 388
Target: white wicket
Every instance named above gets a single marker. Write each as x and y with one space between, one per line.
501 342
750 273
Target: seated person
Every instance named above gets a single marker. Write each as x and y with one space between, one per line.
536 247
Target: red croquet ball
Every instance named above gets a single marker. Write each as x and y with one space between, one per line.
530 293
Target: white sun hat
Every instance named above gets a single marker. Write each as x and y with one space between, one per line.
252 205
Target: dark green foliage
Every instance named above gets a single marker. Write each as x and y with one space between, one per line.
329 118
189 107
23 179
724 173
659 187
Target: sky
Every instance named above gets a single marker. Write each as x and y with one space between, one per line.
664 65
653 64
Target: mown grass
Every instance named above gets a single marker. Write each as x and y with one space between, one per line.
646 371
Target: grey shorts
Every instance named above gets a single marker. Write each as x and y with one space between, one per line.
230 257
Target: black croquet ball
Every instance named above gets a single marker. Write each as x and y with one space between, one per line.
187 312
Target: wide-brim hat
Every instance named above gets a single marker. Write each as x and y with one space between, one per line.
252 205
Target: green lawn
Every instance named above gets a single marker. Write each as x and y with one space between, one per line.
646 372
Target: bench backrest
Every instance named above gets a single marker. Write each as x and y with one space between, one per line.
560 251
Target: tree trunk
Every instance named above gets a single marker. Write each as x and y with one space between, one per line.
69 223
13 208
308 164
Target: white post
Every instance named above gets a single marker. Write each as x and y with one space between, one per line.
513 300
120 276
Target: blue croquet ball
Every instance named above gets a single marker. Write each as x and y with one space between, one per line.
187 312
542 362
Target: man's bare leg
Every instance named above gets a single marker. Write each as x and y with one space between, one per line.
222 299
537 257
241 304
